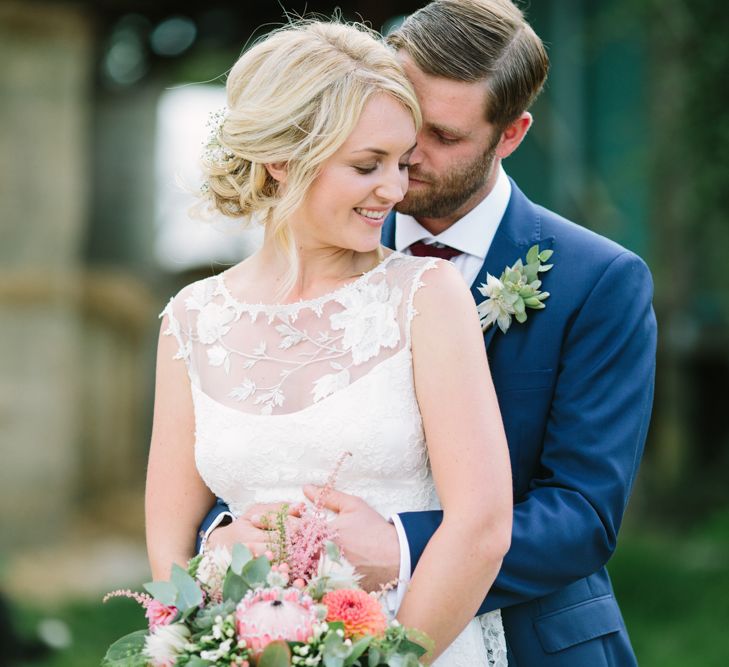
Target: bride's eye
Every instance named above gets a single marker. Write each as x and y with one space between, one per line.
361 169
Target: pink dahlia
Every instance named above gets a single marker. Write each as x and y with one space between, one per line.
359 611
271 614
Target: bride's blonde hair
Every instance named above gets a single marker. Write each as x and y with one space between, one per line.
293 99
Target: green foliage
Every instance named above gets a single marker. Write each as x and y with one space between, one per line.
189 595
256 571
164 591
234 587
276 654
241 556
127 651
205 618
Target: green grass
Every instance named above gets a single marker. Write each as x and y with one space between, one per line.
674 593
673 590
93 628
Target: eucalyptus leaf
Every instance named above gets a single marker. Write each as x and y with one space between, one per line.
335 651
256 571
162 591
189 594
402 660
332 660
409 646
127 651
241 555
234 587
358 648
374 657
276 654
195 661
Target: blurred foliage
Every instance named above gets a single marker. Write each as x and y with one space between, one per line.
673 589
690 109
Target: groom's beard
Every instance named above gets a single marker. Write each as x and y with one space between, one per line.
443 196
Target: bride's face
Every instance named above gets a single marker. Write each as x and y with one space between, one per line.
360 184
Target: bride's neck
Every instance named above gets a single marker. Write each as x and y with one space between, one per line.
320 268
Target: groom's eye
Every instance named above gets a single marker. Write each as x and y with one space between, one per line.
446 139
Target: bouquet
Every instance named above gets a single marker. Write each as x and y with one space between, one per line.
298 604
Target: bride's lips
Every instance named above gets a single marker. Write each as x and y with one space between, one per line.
372 221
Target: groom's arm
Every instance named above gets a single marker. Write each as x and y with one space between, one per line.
219 515
565 528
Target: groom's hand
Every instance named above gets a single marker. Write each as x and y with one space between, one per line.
251 528
368 540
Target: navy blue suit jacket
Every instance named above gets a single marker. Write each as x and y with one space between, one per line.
575 388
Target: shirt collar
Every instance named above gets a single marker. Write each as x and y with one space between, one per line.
472 234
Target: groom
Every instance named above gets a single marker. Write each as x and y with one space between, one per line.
574 381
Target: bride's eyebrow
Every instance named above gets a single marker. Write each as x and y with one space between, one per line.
380 151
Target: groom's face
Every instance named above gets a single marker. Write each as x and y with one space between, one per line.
453 166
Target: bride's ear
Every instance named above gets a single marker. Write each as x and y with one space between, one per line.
278 171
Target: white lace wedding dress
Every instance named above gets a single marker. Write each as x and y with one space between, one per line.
280 392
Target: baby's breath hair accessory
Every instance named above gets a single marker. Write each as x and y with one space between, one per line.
214 152
516 290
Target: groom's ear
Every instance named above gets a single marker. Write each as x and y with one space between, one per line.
513 135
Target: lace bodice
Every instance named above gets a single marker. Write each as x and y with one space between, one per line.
281 391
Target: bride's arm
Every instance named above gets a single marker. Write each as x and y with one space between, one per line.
176 499
469 459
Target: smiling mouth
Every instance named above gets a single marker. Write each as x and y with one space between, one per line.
375 216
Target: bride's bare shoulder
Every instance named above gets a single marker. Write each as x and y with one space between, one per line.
444 306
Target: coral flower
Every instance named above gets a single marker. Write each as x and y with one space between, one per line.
271 614
359 611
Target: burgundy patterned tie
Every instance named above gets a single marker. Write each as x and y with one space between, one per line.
420 249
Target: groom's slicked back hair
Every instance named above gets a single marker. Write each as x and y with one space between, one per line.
474 40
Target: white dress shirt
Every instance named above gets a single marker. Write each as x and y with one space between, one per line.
472 235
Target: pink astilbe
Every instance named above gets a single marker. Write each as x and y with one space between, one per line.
305 543
140 598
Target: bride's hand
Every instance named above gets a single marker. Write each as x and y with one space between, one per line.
369 541
252 528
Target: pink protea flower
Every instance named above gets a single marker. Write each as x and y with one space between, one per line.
159 614
272 614
360 612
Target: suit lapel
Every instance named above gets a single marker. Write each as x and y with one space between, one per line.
388 231
519 229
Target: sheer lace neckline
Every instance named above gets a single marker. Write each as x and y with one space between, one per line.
313 303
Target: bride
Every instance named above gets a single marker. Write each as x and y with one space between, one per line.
324 342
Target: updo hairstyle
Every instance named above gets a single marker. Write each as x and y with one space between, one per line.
294 98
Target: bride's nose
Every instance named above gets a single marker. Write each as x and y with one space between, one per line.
393 186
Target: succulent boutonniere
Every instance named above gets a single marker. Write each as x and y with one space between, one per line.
516 290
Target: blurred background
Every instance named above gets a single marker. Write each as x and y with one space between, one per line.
103 108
